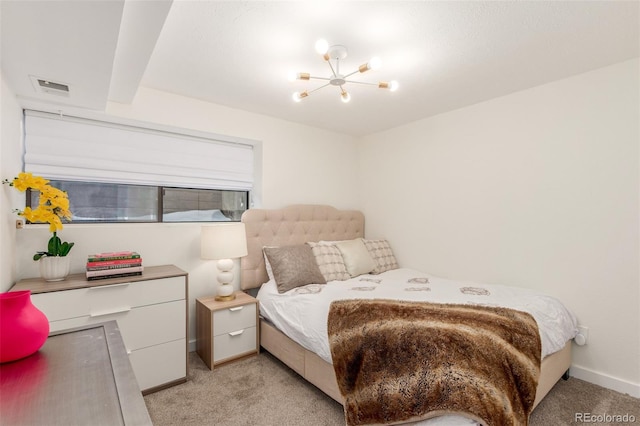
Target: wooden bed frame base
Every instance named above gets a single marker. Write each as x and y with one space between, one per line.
320 373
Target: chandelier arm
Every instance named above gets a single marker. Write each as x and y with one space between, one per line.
361 82
350 74
318 88
319 78
332 69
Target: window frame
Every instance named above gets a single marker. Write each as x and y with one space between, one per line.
159 205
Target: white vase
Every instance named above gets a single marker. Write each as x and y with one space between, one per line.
54 268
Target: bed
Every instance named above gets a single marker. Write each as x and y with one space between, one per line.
299 224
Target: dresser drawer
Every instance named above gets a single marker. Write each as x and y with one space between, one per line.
156 365
140 327
101 300
234 344
233 319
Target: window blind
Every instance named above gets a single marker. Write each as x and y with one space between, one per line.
71 148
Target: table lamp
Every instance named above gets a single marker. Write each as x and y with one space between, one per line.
223 243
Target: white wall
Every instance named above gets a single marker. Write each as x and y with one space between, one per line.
537 189
291 153
10 166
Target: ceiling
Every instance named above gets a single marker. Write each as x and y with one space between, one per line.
444 54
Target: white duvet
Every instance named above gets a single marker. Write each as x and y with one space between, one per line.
302 313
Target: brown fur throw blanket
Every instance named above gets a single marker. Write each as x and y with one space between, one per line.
405 361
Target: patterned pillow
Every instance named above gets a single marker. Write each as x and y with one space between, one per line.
330 261
381 252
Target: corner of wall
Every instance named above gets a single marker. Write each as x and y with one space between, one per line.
10 166
606 381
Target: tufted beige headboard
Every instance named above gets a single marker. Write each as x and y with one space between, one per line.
291 225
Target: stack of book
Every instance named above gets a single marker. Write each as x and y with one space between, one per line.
113 265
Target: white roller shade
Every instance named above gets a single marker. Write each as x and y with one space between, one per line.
69 148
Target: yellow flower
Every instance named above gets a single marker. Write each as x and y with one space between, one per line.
48 192
55 223
25 181
53 203
53 206
27 213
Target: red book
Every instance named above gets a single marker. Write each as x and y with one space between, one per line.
116 255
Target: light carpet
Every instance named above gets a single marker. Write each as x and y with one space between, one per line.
260 390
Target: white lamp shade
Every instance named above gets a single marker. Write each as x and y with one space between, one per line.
223 241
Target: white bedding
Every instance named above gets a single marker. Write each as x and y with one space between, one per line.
302 313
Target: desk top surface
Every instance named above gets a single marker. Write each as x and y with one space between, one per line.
79 376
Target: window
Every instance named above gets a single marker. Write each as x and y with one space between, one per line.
130 172
201 205
92 202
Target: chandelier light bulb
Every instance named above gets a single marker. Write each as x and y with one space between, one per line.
393 85
345 97
292 76
375 63
322 46
297 97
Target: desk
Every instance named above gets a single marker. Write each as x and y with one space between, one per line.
79 377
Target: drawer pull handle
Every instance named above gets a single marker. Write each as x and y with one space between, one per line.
114 311
237 308
236 333
98 287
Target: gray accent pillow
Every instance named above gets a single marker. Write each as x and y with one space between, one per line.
293 266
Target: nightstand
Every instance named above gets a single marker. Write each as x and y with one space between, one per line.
226 331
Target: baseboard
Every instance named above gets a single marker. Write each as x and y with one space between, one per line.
192 345
605 381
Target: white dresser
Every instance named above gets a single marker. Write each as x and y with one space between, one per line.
151 311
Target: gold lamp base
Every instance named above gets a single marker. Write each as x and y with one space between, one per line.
225 298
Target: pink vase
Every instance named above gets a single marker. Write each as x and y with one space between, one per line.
23 327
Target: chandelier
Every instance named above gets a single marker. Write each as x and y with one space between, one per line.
336 53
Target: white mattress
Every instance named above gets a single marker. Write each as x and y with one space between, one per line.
302 313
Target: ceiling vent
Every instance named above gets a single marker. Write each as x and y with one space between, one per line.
49 87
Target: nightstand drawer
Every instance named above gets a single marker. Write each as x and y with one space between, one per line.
234 344
233 319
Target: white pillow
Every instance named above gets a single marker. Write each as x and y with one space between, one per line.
267 265
356 257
